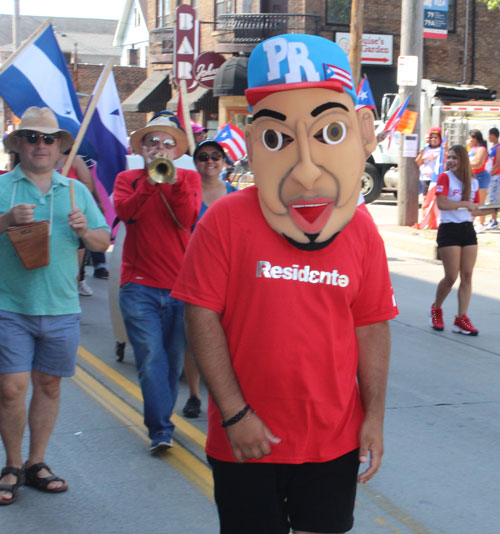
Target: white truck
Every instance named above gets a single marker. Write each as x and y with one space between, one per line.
455 108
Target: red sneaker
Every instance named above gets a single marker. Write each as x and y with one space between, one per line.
462 325
436 320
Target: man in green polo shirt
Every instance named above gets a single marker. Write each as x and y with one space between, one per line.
39 307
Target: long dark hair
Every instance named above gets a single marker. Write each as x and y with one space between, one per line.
476 134
464 171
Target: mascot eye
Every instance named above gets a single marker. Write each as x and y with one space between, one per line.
274 140
332 133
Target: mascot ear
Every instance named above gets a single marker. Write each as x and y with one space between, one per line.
248 142
367 129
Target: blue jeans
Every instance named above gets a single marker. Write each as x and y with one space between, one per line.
155 328
493 189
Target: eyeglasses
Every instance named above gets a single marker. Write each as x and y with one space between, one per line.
216 156
155 142
33 137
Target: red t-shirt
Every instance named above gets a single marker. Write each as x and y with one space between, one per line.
289 317
155 244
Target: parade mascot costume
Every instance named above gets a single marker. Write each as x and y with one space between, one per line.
307 145
288 298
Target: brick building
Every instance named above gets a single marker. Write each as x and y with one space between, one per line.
90 43
127 80
234 27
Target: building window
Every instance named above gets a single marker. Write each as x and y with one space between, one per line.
133 57
162 13
137 17
338 11
452 15
222 7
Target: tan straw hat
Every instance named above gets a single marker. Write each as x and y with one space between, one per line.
167 123
40 120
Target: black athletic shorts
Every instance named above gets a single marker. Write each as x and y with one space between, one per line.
259 498
456 235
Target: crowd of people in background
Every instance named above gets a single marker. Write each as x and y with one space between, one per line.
153 318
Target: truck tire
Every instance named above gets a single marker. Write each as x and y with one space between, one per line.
371 183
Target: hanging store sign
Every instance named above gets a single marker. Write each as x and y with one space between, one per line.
187 45
206 67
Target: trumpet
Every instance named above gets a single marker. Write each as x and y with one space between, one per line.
161 170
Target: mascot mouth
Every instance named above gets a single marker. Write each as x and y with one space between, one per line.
311 215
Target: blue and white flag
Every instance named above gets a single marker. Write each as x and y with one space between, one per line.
365 96
108 134
441 161
39 76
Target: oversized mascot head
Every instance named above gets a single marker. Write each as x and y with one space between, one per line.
307 144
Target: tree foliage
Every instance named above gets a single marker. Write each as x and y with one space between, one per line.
491 4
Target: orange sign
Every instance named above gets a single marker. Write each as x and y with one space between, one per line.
407 122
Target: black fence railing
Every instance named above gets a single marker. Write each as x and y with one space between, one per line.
161 40
254 28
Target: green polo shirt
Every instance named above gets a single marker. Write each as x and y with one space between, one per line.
49 290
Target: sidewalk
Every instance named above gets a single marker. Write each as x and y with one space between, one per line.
423 243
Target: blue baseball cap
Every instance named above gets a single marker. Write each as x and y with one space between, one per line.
297 61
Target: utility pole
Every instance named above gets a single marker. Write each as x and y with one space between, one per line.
412 27
15 26
357 8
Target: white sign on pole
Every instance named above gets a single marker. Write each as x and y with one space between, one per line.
410 146
407 70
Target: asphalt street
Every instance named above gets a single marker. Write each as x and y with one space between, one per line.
442 431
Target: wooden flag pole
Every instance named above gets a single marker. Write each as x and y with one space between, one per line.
85 124
72 194
30 39
186 116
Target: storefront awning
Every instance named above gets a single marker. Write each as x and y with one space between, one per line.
231 78
151 95
193 98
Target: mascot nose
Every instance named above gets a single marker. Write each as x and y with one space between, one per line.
305 171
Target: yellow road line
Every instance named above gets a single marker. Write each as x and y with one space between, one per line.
185 463
193 433
189 466
394 510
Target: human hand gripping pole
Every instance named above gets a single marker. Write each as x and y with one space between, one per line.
76 219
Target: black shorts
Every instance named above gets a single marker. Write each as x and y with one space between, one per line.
272 498
456 235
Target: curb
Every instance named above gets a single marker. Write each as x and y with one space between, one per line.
426 247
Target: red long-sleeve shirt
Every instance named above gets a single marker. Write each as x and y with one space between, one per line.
155 244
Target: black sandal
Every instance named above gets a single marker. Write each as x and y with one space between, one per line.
32 478
11 488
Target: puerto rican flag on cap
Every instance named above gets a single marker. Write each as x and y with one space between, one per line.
336 73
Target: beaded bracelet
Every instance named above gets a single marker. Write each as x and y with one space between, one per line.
238 417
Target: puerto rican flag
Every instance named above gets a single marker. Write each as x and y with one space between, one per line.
395 118
336 73
233 140
365 96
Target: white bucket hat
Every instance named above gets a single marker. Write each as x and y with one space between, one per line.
41 120
167 123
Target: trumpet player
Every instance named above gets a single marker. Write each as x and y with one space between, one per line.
159 204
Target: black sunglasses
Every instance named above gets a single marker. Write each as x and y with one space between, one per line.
216 156
33 137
